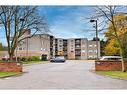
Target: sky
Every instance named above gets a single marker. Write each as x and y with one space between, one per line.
66 21
69 21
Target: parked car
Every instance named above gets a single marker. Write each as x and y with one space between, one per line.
58 59
110 58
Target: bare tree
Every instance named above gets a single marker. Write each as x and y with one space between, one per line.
16 20
109 13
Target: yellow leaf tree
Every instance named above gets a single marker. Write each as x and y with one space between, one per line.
120 22
112 48
117 26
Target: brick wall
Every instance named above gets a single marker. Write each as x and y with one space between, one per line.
109 65
10 67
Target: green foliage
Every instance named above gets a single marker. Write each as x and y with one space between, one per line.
117 36
112 48
30 58
94 39
102 47
34 58
1 47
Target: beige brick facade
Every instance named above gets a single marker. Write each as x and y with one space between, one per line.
74 48
71 48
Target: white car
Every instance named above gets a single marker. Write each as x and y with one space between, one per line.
111 58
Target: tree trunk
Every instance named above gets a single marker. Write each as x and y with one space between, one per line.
123 65
123 59
11 56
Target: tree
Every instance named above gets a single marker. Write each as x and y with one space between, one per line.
16 20
94 39
102 47
112 48
1 47
116 27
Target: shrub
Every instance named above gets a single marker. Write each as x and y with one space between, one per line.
24 58
30 58
35 58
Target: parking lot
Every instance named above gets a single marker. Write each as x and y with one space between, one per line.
73 74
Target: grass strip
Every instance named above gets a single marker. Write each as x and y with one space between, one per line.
113 74
8 74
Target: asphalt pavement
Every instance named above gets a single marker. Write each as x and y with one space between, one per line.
71 75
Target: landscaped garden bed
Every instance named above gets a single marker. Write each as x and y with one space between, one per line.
31 60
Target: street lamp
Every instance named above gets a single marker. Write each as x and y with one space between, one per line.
96 26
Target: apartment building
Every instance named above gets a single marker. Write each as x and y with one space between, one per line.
39 44
74 48
77 48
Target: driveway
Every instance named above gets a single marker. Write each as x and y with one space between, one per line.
73 74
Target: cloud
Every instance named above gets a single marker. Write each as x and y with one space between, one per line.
67 21
70 24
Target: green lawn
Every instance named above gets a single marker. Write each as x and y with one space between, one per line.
7 74
114 74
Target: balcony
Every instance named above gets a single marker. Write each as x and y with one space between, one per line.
78 53
77 41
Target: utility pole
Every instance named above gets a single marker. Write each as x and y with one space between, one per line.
97 38
96 26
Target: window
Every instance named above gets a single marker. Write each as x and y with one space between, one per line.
90 45
77 46
78 52
72 43
83 45
20 48
90 50
83 50
60 40
77 41
90 56
60 48
95 51
60 45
